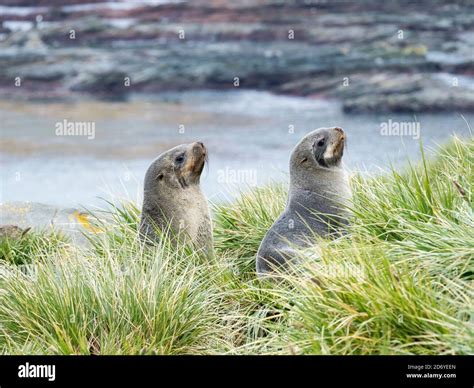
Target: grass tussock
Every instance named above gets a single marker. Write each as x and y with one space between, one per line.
400 282
135 302
32 245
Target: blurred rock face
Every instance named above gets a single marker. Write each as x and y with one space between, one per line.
398 56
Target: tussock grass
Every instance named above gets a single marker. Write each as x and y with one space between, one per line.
400 282
31 246
138 302
358 300
241 226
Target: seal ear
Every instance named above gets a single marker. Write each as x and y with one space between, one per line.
160 177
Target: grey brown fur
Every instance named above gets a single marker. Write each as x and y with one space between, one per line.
173 201
319 189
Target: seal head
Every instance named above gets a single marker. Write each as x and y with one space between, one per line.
319 151
173 199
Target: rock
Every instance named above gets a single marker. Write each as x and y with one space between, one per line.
110 82
18 217
406 93
12 232
385 49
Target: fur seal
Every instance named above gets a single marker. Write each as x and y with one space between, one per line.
173 200
319 188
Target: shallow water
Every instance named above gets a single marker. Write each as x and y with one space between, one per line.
249 135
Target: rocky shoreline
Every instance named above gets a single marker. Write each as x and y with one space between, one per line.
398 56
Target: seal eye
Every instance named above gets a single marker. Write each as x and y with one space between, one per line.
321 143
179 159
160 177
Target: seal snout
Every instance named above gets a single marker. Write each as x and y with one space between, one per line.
199 156
342 137
199 151
199 148
337 149
341 134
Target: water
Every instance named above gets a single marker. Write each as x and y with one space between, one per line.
249 135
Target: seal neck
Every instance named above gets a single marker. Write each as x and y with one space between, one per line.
325 191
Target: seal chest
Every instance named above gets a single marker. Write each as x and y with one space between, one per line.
319 192
173 202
